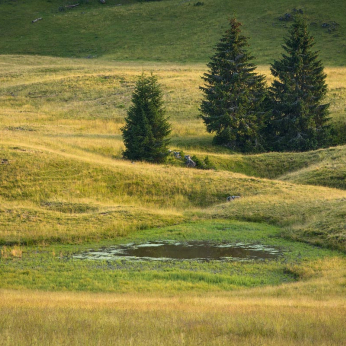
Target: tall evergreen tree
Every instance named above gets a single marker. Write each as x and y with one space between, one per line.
233 94
298 121
146 127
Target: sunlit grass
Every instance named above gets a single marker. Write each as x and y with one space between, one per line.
64 186
60 129
301 313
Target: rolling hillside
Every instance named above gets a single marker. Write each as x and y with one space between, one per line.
65 86
60 134
162 30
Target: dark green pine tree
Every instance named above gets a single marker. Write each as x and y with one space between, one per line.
299 120
146 127
233 94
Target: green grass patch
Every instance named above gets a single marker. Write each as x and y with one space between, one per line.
162 30
54 268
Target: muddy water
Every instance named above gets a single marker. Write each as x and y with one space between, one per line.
192 250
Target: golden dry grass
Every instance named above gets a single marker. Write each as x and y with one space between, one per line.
60 130
305 313
60 122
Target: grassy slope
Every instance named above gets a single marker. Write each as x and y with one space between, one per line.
83 103
60 125
325 167
161 31
60 132
69 195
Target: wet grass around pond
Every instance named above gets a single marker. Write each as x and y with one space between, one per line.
54 268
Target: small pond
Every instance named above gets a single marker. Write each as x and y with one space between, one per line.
189 250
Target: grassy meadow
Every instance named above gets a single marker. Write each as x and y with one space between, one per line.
297 314
133 30
65 87
65 189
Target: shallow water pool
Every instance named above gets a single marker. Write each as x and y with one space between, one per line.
189 250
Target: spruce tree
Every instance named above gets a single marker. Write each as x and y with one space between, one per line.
146 127
299 120
233 94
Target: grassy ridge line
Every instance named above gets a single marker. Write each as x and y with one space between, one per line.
33 161
52 196
303 214
76 221
330 170
161 31
66 192
323 167
36 167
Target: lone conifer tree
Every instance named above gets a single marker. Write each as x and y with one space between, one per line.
298 121
233 94
146 126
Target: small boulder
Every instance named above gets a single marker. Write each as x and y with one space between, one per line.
286 17
36 20
232 198
189 162
177 154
